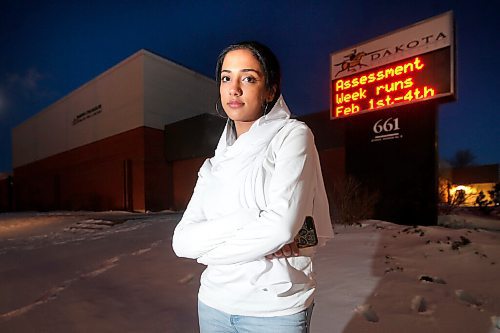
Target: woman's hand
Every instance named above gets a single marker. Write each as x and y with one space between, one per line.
288 250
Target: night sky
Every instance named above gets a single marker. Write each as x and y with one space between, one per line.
50 48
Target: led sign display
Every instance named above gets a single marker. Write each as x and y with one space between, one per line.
418 78
406 66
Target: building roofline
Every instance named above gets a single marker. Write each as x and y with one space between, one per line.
176 64
141 52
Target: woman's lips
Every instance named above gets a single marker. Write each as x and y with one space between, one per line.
235 104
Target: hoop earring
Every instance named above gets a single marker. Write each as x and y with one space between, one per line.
266 111
222 115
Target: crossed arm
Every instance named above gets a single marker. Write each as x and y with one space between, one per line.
248 234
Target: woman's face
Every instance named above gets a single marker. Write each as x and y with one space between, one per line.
243 86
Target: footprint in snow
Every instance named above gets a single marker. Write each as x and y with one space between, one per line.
418 304
432 279
367 312
467 298
495 320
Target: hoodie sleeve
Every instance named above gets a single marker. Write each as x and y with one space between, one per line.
290 199
195 235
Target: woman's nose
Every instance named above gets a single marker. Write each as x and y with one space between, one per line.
235 90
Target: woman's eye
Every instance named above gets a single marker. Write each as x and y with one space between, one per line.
225 79
249 79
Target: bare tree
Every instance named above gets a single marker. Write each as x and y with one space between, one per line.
462 158
353 202
448 202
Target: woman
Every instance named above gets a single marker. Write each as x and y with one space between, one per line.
250 201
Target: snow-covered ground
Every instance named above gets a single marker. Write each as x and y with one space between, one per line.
116 272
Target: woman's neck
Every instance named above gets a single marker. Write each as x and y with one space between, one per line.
242 127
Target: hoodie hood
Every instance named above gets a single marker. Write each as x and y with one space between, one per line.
262 130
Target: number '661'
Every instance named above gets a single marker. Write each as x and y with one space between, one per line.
390 124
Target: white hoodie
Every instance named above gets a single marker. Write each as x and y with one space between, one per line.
250 200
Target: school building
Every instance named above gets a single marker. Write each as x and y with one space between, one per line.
133 138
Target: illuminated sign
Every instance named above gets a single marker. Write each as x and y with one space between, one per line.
412 80
408 66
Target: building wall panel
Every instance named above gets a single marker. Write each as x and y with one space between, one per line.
6 194
157 172
184 175
91 177
332 165
173 92
108 105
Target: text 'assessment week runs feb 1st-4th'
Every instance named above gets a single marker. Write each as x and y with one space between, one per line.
414 79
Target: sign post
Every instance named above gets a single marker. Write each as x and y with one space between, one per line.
387 91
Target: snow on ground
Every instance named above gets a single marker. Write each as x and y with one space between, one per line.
383 269
469 222
116 272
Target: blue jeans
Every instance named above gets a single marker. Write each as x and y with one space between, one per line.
215 321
